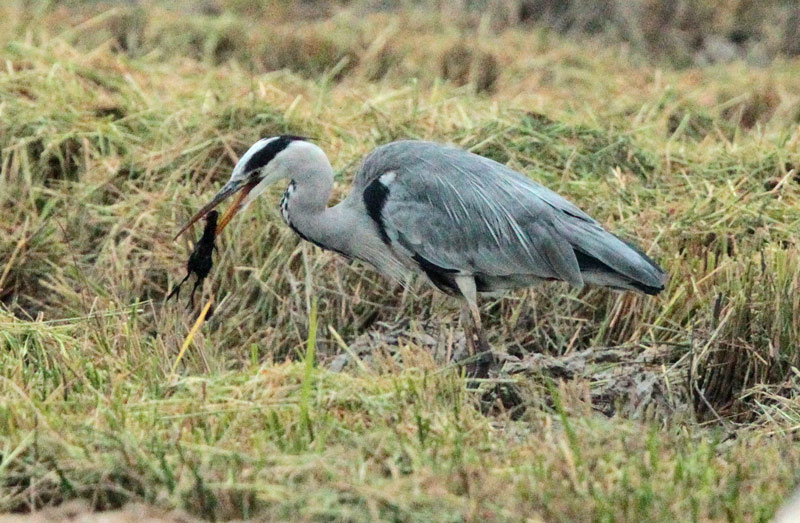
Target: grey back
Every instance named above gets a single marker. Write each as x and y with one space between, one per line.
467 213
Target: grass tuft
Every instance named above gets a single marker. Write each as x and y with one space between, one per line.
318 390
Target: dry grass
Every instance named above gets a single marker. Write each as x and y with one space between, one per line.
115 124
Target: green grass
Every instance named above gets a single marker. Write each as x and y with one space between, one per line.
115 125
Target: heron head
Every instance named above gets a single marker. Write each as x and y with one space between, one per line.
267 161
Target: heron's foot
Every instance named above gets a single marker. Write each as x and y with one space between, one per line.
496 396
481 360
503 398
479 367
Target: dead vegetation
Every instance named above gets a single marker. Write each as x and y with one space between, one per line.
116 123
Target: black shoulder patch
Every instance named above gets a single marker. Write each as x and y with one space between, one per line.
374 199
265 155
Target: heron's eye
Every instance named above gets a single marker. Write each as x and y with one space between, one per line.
252 176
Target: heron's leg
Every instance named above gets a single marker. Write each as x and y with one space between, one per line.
466 324
466 284
483 345
486 358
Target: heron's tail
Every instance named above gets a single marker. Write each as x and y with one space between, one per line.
606 260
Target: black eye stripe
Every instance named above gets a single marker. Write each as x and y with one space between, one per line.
265 155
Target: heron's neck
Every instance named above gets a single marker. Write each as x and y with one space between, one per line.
305 209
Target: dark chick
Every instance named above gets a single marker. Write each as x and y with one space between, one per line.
200 261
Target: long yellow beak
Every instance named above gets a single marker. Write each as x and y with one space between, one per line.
241 189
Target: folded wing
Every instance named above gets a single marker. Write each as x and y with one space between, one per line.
459 212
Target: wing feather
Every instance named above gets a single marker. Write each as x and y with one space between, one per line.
467 213
464 212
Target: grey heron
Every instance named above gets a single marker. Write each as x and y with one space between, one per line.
469 224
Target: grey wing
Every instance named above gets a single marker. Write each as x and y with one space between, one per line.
457 212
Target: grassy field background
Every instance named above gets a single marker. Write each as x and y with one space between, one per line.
118 120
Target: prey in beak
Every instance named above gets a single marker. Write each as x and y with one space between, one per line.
241 188
200 261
